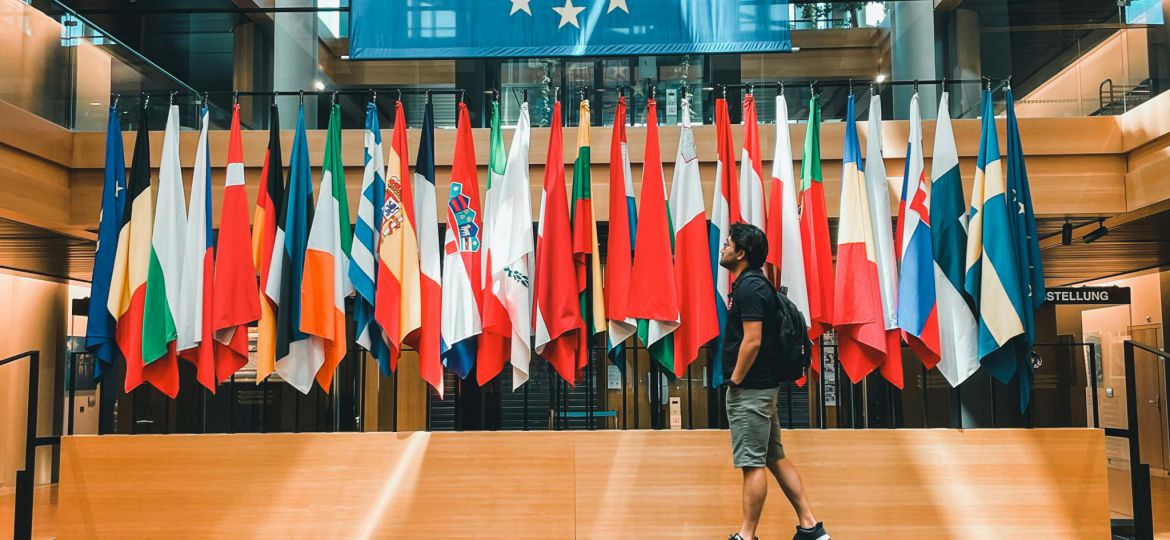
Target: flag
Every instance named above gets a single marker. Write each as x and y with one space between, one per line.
495 340
462 263
751 175
397 295
298 356
917 307
510 252
586 255
428 340
877 190
197 270
1030 294
127 297
698 323
363 267
993 268
958 331
266 222
235 299
724 211
163 282
620 247
656 291
861 334
814 230
326 272
785 253
557 316
100 331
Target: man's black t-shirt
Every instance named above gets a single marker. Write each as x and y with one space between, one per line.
751 300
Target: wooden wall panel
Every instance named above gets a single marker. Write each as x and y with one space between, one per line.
1044 483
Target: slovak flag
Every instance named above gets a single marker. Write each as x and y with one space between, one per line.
462 260
917 304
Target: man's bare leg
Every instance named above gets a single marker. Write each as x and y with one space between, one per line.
755 490
789 479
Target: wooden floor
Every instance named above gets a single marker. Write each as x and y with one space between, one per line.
44 512
1120 503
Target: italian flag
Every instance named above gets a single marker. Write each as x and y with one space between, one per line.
326 279
814 231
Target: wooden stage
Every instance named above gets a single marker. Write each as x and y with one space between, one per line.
1041 483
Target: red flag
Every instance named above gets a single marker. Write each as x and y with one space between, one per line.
814 231
620 248
557 318
235 300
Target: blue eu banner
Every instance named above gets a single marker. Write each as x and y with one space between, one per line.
381 29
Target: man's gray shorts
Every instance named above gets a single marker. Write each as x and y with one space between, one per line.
755 427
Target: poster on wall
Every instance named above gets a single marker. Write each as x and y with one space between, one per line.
1093 349
445 29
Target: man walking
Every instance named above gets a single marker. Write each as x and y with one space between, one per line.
753 387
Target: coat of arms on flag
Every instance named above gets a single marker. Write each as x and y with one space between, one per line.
460 206
392 215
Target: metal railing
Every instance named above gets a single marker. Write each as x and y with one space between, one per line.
1143 512
23 512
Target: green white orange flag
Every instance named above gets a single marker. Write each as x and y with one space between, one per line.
814 231
586 255
326 280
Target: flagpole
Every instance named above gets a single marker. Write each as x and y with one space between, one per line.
625 402
925 397
637 383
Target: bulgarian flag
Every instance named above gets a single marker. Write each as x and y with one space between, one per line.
620 247
326 279
724 212
586 255
127 297
159 331
428 339
462 260
235 301
698 323
557 317
814 231
656 292
265 219
751 176
397 301
861 334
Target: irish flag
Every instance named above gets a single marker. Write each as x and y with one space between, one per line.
724 211
326 279
266 221
656 306
557 315
159 331
462 256
235 301
586 255
751 176
814 230
620 247
861 334
698 323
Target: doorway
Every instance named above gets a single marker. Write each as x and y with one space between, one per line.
1150 375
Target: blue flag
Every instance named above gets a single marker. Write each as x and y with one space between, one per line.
363 270
99 333
995 276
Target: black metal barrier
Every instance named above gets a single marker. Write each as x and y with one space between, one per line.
1139 473
23 511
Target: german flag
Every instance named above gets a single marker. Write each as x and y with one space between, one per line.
264 219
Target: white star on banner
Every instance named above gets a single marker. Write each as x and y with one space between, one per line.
569 14
618 4
520 5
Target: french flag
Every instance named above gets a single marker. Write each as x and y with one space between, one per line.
917 304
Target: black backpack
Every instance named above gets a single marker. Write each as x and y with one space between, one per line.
790 354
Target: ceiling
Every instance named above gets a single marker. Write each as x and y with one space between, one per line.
28 249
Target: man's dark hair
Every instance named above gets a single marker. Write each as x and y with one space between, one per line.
751 241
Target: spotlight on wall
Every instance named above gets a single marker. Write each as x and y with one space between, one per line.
319 85
1097 233
881 78
1066 234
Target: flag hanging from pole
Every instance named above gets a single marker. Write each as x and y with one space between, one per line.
326 278
428 339
462 256
620 246
656 307
586 254
557 315
785 253
958 331
698 322
235 296
495 341
298 356
814 231
725 210
100 331
857 316
160 333
877 190
917 307
363 267
751 171
266 222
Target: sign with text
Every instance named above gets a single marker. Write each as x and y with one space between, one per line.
1088 295
390 30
